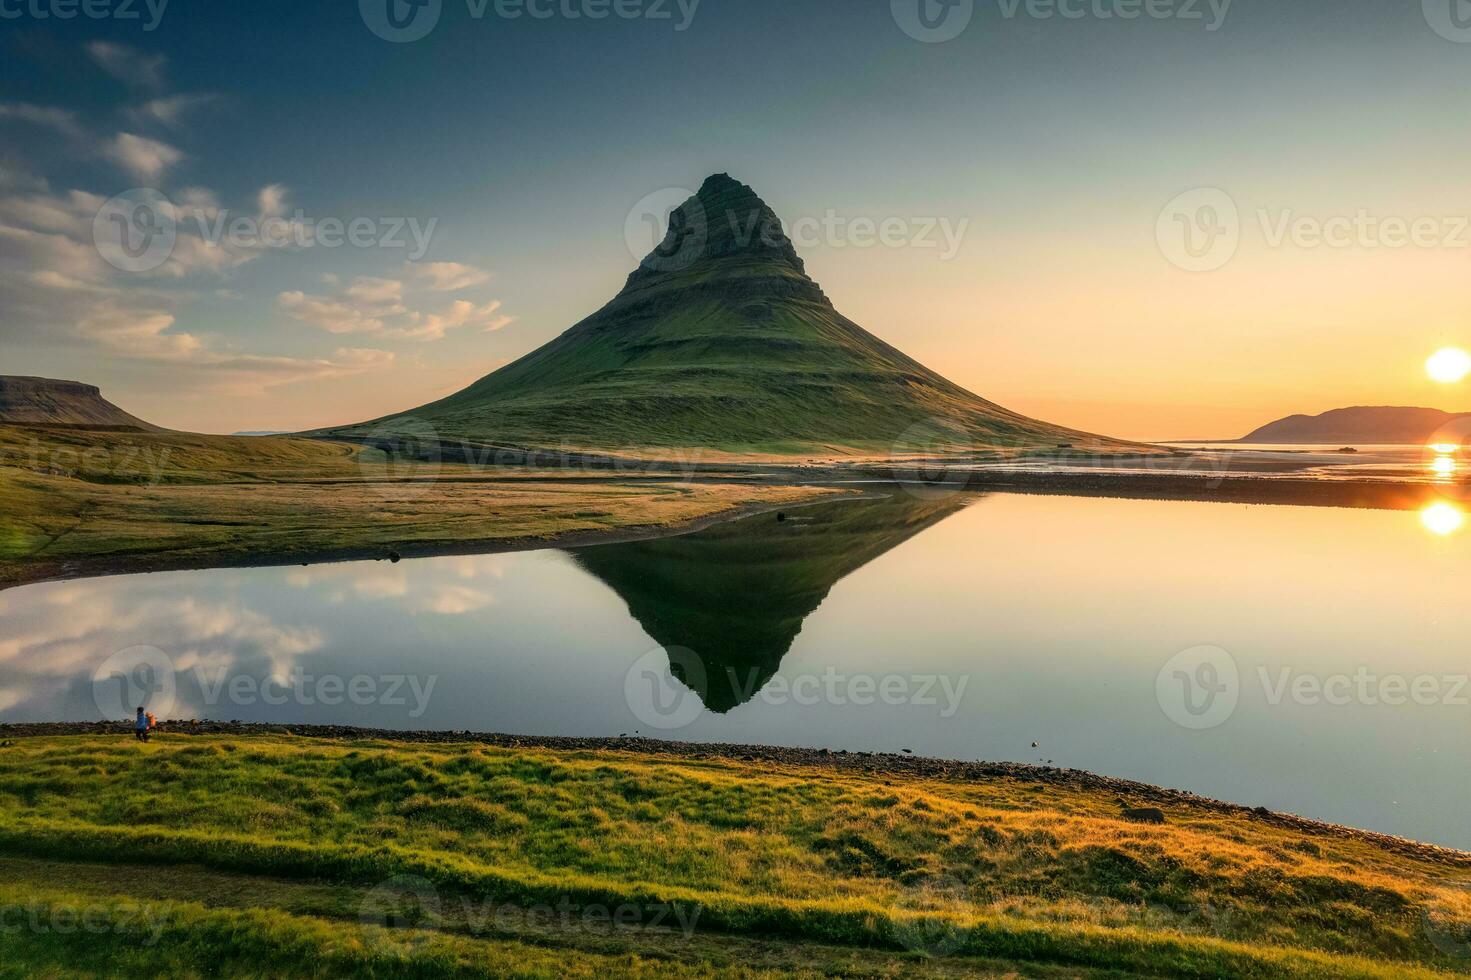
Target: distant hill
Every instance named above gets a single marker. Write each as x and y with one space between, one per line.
720 340
44 401
1365 425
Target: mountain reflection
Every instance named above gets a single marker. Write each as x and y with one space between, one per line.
736 594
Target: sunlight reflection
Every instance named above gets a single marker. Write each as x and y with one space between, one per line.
1442 519
1443 466
1444 448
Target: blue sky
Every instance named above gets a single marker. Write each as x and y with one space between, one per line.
1047 145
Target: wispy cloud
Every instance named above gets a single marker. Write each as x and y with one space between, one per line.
169 110
447 276
373 305
127 64
63 121
143 158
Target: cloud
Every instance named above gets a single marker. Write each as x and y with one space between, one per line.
447 276
143 158
372 305
127 64
63 121
272 200
169 110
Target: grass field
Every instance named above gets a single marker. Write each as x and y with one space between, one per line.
277 855
80 501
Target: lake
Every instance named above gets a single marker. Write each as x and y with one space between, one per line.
1310 660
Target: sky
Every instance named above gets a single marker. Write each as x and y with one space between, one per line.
1178 224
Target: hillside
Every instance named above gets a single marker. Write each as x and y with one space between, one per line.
720 340
1366 425
247 854
44 401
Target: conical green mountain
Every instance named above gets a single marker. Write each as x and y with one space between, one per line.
728 602
720 340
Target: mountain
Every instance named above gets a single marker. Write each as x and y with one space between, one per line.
1365 425
727 602
43 401
720 340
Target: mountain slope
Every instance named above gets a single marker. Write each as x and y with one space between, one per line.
43 401
1381 425
720 339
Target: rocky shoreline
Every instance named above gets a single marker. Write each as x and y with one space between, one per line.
1129 792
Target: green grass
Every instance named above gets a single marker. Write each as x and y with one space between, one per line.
914 871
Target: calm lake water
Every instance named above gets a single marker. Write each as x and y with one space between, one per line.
1308 660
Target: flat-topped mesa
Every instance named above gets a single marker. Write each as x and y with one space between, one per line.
51 402
727 232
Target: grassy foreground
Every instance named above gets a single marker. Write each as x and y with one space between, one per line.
284 856
79 501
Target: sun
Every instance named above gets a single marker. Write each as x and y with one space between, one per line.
1442 519
1448 365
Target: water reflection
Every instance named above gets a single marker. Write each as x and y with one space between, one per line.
1444 467
1443 519
735 595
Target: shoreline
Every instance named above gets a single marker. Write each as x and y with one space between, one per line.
105 567
1267 490
841 760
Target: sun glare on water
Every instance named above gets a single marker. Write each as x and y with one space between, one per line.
1443 466
1448 365
1442 519
1444 448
